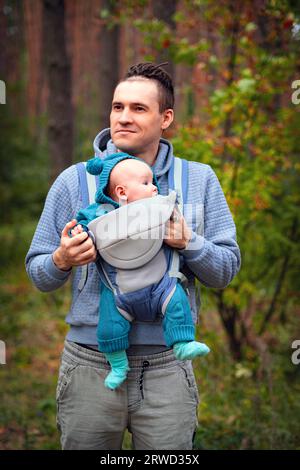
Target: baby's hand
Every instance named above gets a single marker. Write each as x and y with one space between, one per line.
76 230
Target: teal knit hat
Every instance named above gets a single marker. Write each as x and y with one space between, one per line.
103 168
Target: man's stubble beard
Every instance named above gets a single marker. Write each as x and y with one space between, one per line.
127 149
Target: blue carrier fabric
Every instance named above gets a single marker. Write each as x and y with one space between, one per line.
150 302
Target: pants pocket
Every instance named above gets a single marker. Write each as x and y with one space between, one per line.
64 378
189 380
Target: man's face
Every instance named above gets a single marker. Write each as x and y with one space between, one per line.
135 121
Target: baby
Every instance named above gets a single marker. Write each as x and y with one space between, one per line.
126 179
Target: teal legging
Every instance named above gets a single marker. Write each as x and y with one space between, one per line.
113 329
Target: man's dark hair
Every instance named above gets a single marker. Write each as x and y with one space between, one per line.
162 78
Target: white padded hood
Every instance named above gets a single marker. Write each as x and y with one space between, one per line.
132 235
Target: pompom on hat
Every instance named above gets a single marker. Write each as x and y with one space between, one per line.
103 168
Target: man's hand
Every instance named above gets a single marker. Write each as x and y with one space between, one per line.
75 251
177 234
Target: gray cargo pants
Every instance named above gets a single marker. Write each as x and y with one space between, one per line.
157 403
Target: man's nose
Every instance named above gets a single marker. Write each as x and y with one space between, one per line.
125 116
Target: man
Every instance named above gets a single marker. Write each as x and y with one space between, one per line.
158 401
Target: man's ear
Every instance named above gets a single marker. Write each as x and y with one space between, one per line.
168 117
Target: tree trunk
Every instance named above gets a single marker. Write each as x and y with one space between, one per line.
60 121
109 77
164 11
229 320
236 11
13 44
280 280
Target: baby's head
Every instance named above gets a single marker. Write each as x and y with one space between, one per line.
131 180
122 179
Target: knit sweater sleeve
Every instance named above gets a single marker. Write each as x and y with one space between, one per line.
58 210
214 258
85 216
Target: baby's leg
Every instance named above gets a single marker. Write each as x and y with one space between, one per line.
119 368
179 328
189 350
112 334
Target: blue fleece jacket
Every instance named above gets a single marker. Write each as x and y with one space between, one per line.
212 255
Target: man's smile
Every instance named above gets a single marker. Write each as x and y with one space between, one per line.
125 131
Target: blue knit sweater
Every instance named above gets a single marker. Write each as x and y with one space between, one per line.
212 256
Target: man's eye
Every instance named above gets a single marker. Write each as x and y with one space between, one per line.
117 107
140 108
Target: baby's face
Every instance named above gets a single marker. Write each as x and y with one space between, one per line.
135 178
140 186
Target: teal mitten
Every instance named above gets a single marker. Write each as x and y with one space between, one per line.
189 350
119 368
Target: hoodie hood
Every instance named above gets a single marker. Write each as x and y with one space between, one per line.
104 146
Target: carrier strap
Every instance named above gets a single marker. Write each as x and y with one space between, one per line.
178 180
88 186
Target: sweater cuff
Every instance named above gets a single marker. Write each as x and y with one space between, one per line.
53 270
195 244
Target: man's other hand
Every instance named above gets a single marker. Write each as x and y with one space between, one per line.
178 234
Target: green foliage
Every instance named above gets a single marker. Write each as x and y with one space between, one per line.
23 168
245 407
251 139
33 329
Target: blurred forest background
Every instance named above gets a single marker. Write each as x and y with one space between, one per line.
235 65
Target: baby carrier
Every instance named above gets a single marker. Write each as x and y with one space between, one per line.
134 263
